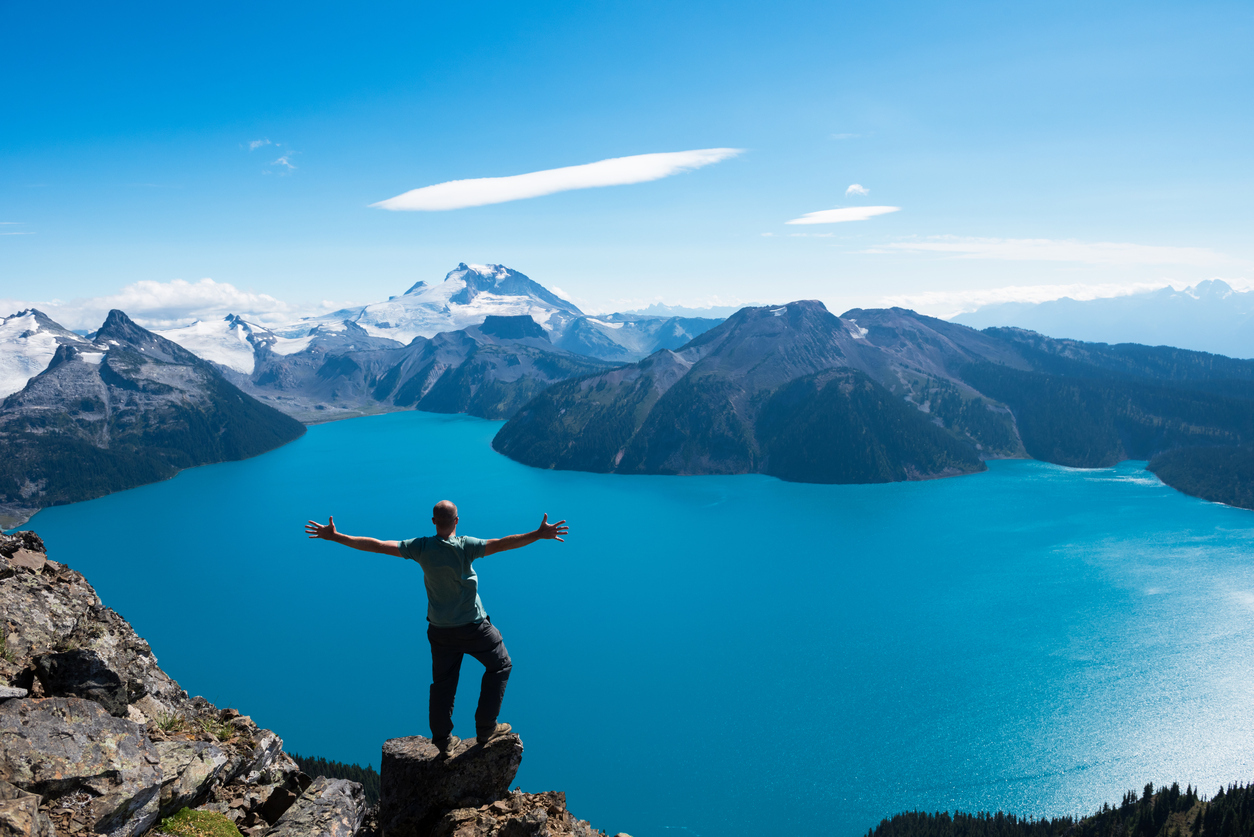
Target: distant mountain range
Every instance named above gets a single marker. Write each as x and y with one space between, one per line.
468 295
123 409
790 390
799 393
1208 317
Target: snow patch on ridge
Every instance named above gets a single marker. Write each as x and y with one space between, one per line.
225 342
26 349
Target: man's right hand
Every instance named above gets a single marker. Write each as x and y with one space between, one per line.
551 531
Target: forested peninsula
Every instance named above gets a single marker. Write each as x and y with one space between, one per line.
796 392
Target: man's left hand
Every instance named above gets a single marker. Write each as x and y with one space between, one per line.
552 531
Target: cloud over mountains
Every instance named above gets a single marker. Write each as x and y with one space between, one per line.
618 171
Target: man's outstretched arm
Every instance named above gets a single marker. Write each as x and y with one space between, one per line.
545 531
327 533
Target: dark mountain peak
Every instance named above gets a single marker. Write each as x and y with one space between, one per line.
117 325
120 330
513 328
794 321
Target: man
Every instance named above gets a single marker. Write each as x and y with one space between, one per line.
458 623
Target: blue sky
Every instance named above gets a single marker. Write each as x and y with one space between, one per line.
1028 148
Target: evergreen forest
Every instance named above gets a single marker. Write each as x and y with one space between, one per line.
367 776
1167 812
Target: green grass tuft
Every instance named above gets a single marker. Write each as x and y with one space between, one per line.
190 823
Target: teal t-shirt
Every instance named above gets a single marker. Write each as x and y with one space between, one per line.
452 586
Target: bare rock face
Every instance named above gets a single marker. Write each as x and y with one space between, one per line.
327 808
20 815
419 788
48 609
57 746
517 815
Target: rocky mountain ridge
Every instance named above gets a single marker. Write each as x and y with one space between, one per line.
127 408
98 740
468 296
755 394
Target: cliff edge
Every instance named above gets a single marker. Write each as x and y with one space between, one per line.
95 739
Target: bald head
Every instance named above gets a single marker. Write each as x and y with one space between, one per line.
444 516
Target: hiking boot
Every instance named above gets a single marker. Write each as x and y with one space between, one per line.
446 746
484 738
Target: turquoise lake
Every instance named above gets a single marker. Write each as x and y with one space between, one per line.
713 656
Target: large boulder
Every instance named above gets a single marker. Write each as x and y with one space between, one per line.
327 808
59 747
83 674
20 815
418 787
517 815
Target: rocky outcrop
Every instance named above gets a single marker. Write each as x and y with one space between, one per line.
60 746
327 808
94 731
517 815
419 786
95 739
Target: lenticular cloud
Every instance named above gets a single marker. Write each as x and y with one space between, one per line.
838 216
619 171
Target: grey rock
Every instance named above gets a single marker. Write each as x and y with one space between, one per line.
20 815
328 808
418 787
188 770
58 746
57 609
82 673
10 692
25 559
517 815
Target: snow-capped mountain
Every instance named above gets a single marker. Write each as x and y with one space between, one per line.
234 343
466 298
1209 317
468 295
28 342
228 342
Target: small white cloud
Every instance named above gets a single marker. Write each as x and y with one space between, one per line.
838 216
857 189
283 161
255 144
162 305
619 171
1055 250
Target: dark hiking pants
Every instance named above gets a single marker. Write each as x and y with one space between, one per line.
483 642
